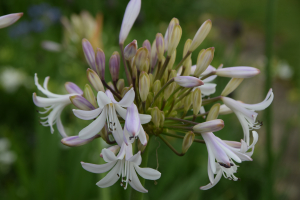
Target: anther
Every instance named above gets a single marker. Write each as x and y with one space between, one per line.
118 175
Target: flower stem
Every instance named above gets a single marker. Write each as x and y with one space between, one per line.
161 90
183 59
125 66
163 68
179 136
104 193
114 92
135 195
170 146
181 120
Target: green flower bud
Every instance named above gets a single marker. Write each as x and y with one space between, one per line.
95 80
213 112
172 60
162 118
153 59
120 84
156 87
88 94
201 34
197 101
130 50
151 81
188 102
140 57
160 46
187 141
156 116
231 86
174 39
169 31
205 57
144 86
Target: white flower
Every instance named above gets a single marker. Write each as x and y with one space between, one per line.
55 102
124 166
225 152
246 114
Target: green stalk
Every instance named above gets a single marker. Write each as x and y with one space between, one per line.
104 193
135 195
271 6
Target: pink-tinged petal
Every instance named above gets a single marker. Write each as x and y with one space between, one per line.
108 156
128 99
118 133
216 180
142 136
102 99
89 53
132 121
136 159
87 114
145 118
7 20
81 102
60 128
237 72
132 11
147 173
208 88
135 182
233 144
227 150
262 105
98 168
75 141
94 127
188 81
111 178
72 88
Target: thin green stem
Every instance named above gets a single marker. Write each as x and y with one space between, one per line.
208 75
199 115
181 120
161 90
211 100
170 146
114 92
124 63
183 59
181 137
104 193
163 68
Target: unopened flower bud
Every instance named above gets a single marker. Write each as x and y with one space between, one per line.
170 89
160 46
145 67
213 112
156 86
7 20
169 31
187 141
115 149
147 44
73 88
140 57
188 81
162 118
205 57
173 113
94 80
187 45
75 141
114 66
100 63
134 72
151 81
231 86
120 84
209 126
154 57
197 101
187 102
237 72
224 110
156 116
89 53
172 61
88 94
130 50
111 85
174 39
81 103
142 147
200 35
187 67
144 86
132 11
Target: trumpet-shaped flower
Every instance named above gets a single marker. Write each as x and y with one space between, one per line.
228 171
124 166
246 112
55 103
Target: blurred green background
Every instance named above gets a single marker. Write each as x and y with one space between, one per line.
35 165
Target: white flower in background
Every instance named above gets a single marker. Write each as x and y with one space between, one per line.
54 103
7 20
124 166
246 112
225 152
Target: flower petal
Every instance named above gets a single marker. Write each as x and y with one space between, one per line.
111 178
7 20
262 105
94 127
98 168
87 114
216 180
128 99
132 121
102 99
135 182
72 88
208 88
108 156
145 118
136 159
60 128
121 111
147 173
142 136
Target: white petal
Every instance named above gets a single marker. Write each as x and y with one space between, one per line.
118 133
217 179
263 105
127 99
147 173
7 20
135 182
87 114
94 127
208 88
108 156
136 159
60 128
208 70
132 121
98 168
111 178
145 118
211 159
209 172
121 111
142 136
102 99
245 127
122 152
209 79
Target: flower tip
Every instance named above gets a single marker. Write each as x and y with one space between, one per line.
101 155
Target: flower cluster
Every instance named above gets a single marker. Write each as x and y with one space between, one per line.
158 98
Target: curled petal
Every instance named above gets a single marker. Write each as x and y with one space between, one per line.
135 182
72 88
216 180
98 168
87 114
147 173
102 99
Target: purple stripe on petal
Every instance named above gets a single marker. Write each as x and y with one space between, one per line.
89 53
81 103
100 63
73 88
